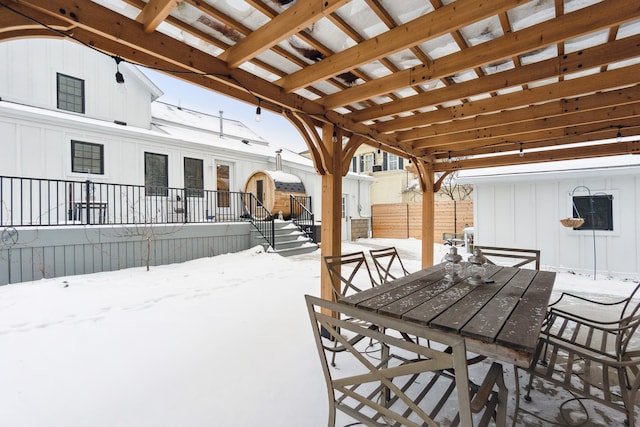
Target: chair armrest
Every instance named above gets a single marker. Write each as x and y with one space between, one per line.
606 324
493 377
605 303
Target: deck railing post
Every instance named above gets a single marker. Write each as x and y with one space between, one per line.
87 197
185 208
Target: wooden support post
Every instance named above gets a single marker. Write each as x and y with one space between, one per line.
426 175
331 205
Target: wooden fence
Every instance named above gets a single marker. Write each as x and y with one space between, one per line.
404 220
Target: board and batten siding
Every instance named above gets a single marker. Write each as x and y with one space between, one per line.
67 251
525 212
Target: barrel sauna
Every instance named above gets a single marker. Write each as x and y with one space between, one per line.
273 188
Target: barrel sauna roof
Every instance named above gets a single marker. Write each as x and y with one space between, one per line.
286 182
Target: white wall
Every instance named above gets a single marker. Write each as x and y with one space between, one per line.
28 70
524 212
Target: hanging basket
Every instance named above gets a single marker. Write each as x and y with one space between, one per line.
572 222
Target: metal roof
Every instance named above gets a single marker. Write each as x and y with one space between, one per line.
455 84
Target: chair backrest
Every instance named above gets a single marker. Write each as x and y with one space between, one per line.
349 274
388 264
381 389
506 256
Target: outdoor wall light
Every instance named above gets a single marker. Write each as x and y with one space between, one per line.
476 268
119 76
452 264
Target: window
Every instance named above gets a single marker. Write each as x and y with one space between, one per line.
368 163
224 199
70 93
87 158
354 164
156 179
193 181
602 208
392 160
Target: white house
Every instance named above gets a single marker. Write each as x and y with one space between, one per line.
63 116
521 207
120 123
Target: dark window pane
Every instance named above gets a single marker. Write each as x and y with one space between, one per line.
156 176
193 181
222 183
87 158
70 93
597 212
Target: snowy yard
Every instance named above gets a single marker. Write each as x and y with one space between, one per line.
222 341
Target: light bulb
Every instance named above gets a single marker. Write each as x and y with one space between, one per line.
258 114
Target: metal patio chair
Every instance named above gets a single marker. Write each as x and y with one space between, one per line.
398 389
349 273
595 359
388 264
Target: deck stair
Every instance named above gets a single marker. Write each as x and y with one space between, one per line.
289 239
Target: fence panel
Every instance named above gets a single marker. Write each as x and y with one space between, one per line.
404 220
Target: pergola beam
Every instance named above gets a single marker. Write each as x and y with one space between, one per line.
154 13
602 117
291 21
554 67
427 27
583 21
540 139
540 116
574 153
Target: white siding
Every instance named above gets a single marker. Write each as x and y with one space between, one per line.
38 60
525 213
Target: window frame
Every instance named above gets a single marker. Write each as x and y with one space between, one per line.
194 185
152 189
65 104
615 213
602 210
88 171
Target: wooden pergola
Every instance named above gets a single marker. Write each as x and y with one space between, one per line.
449 85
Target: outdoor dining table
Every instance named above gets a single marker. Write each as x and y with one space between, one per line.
499 318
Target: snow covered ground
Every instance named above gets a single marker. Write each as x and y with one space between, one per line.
222 341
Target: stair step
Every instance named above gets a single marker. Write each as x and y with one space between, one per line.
297 250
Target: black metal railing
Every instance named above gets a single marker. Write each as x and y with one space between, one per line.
262 218
302 215
48 202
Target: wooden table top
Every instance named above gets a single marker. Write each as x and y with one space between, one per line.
500 320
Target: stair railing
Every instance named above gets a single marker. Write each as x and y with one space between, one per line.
302 216
261 218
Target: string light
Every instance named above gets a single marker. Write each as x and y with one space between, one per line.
619 134
379 148
119 76
521 150
259 111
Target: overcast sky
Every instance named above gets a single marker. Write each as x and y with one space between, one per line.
277 130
